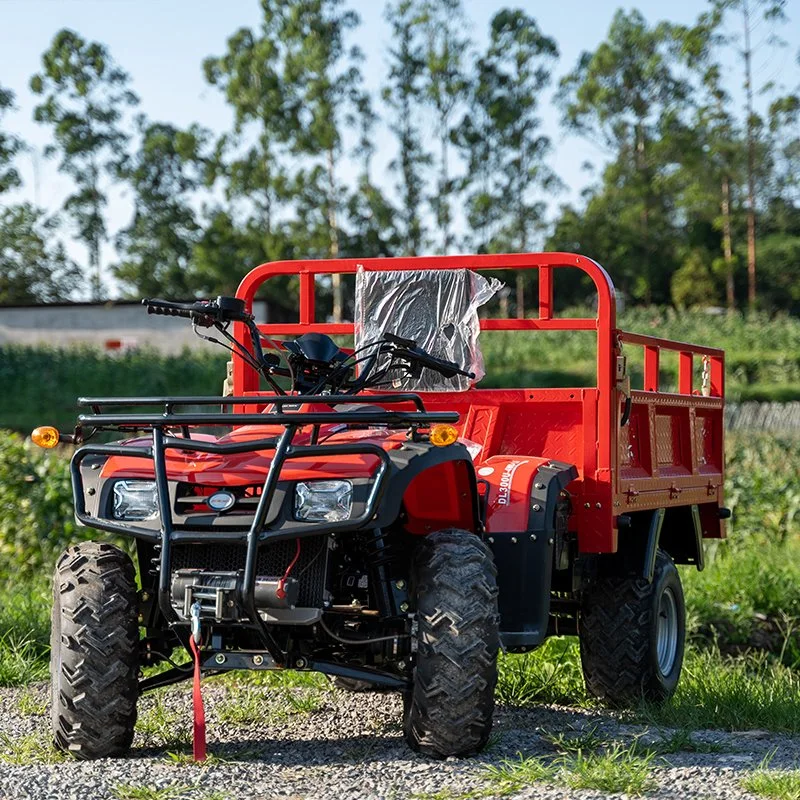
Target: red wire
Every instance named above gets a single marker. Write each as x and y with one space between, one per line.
281 592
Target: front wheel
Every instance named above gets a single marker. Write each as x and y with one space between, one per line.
449 710
632 635
94 658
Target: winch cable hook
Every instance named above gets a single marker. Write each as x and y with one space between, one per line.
199 714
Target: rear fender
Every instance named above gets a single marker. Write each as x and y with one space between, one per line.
522 498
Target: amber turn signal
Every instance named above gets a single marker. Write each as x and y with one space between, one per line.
442 435
45 436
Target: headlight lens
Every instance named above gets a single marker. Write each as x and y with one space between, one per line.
323 501
135 500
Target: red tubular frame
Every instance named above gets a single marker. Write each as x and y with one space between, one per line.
245 381
602 495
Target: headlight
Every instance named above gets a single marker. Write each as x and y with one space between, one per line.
323 501
135 500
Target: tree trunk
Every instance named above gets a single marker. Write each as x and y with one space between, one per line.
727 245
336 278
444 207
641 167
751 148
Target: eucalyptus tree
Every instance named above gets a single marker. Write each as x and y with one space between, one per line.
84 96
502 139
34 267
402 94
370 216
157 246
248 74
323 78
619 96
752 14
446 84
10 146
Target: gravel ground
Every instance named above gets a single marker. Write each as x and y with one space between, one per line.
351 746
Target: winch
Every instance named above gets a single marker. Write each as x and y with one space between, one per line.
219 593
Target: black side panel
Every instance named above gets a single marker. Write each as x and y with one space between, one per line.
525 562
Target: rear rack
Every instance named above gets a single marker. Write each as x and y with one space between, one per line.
284 450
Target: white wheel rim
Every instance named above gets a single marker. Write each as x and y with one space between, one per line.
667 632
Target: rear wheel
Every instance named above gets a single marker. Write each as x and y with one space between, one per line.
449 710
632 635
94 658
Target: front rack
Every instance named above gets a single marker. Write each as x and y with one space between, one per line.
284 449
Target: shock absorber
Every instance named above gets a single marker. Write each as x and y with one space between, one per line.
392 597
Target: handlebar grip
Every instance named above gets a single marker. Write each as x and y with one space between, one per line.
167 309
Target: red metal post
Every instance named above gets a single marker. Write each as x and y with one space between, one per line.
545 293
651 368
685 365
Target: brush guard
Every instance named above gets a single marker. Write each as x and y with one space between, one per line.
284 450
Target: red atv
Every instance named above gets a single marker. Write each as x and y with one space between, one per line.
367 513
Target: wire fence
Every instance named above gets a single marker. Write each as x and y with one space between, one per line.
772 417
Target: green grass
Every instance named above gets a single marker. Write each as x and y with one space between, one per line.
131 791
26 750
24 634
778 783
734 694
550 674
616 768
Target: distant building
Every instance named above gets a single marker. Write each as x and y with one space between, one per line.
108 326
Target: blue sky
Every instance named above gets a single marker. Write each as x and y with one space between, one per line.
161 43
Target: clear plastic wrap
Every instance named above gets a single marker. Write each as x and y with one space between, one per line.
438 309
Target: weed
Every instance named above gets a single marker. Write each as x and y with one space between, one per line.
617 769
28 750
551 674
250 707
777 783
730 694
31 704
512 774
166 727
682 741
582 740
130 791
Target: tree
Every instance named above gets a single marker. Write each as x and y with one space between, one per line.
10 145
502 139
370 216
708 146
31 269
621 95
750 10
402 94
85 94
445 86
157 246
323 79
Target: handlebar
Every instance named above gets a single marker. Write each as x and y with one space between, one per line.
202 312
407 349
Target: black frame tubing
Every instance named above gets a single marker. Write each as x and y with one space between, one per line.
257 534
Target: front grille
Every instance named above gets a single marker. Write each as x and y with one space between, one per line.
192 498
273 559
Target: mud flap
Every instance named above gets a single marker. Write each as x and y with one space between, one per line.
525 562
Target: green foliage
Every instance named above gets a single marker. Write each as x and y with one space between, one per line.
84 96
32 268
10 145
41 385
735 694
778 783
35 509
617 768
157 246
